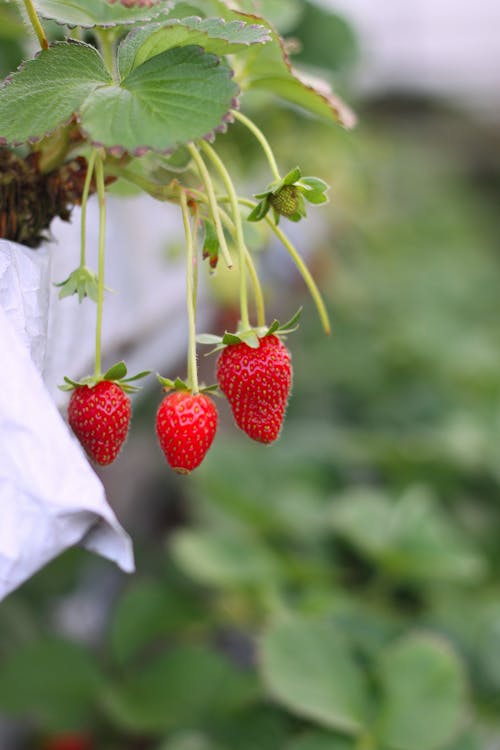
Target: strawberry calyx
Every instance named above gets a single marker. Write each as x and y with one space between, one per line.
287 197
81 281
250 336
116 374
180 385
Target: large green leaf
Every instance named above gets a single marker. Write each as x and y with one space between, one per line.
148 611
178 689
269 68
46 91
103 13
423 694
175 97
321 741
54 680
411 537
213 34
223 558
307 666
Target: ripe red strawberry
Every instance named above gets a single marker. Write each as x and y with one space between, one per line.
69 741
100 417
186 424
257 384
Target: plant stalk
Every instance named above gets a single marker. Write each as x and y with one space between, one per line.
262 140
192 367
99 172
240 240
85 195
212 202
35 22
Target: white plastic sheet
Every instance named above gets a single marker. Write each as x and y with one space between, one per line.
50 498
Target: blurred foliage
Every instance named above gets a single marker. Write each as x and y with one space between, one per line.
338 591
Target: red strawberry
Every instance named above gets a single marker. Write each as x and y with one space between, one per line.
257 384
100 416
186 424
70 741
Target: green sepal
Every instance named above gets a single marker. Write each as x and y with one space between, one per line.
208 339
260 210
81 281
292 324
316 197
115 374
172 385
291 178
230 339
314 183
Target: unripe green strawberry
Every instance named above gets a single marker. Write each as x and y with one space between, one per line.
257 384
286 200
100 417
186 424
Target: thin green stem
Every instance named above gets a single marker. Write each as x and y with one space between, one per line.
35 22
212 202
254 278
301 266
240 240
99 173
106 39
192 367
85 195
262 140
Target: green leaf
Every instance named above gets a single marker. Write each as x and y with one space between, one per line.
53 680
188 741
306 666
321 741
45 92
421 677
178 96
410 538
89 13
213 34
223 558
268 68
180 688
147 611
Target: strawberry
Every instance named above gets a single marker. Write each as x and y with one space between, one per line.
99 416
69 741
286 200
186 424
257 384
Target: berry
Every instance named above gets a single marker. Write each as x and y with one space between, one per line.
70 741
257 384
186 424
99 416
286 200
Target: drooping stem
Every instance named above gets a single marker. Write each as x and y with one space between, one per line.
192 367
85 195
301 266
99 173
240 240
262 140
254 278
35 22
212 202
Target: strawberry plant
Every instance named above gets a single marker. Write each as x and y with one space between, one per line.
138 92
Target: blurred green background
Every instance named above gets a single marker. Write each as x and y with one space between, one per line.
338 590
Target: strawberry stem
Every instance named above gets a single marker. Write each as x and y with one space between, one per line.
192 367
99 172
212 202
35 22
262 140
240 240
85 195
301 266
257 289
